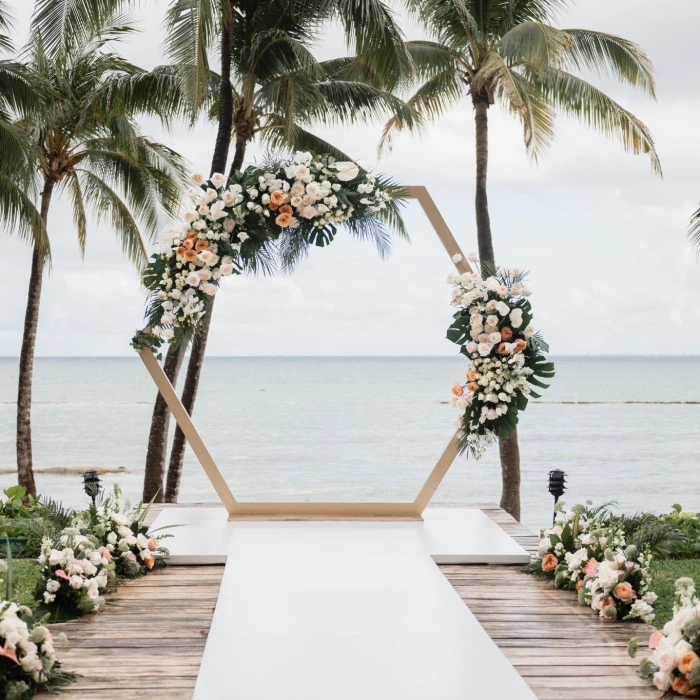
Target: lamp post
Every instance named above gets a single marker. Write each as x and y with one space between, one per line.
557 486
91 484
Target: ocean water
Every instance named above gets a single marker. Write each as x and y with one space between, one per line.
622 428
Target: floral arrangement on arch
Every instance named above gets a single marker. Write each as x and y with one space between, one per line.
493 326
674 663
27 657
281 207
611 576
120 530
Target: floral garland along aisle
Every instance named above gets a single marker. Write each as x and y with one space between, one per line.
493 326
234 223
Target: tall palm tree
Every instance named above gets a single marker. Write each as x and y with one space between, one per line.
694 230
270 87
508 50
87 145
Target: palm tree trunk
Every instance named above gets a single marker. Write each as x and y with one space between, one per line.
483 221
189 395
242 138
160 420
508 448
157 440
25 467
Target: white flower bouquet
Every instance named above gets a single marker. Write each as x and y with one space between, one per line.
493 326
120 530
240 223
74 575
674 663
27 657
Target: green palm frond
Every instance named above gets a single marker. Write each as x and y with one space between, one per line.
430 101
105 204
6 25
694 230
534 44
352 68
611 56
578 98
536 114
276 136
72 184
65 25
430 58
192 30
19 214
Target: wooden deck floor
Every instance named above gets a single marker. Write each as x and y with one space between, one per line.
149 643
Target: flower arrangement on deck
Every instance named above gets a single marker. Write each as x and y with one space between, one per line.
238 222
582 552
75 574
674 663
27 658
493 326
120 530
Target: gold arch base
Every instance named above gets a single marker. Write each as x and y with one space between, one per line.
238 510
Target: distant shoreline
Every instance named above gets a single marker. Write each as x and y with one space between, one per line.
71 471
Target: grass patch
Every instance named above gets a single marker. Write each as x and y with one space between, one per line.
664 573
26 575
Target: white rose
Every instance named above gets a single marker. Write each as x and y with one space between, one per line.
197 179
472 257
308 212
502 308
347 170
516 288
226 269
112 538
662 681
492 284
529 331
491 414
484 349
229 225
516 318
190 216
457 258
471 347
192 280
665 656
218 179
492 320
168 334
209 288
495 338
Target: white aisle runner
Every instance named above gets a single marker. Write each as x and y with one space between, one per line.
341 611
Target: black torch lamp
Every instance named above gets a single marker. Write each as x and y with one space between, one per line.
557 486
91 484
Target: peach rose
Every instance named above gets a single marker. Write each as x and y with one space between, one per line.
283 220
682 686
549 563
152 543
278 198
201 245
149 562
286 209
502 349
191 235
520 345
472 386
472 376
180 251
506 333
579 585
273 207
189 244
686 661
624 592
190 255
606 602
457 390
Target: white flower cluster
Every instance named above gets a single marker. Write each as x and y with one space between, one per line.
498 371
77 568
31 648
674 663
132 550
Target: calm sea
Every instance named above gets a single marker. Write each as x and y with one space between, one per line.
623 428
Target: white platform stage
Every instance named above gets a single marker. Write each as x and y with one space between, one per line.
346 610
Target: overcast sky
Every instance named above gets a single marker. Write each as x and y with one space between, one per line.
605 240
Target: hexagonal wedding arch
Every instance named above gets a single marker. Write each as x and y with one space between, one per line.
289 510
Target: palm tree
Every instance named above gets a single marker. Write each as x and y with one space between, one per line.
270 87
694 230
507 50
87 144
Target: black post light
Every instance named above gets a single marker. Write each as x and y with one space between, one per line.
557 486
91 484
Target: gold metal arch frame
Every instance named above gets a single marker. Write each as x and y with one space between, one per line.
239 510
